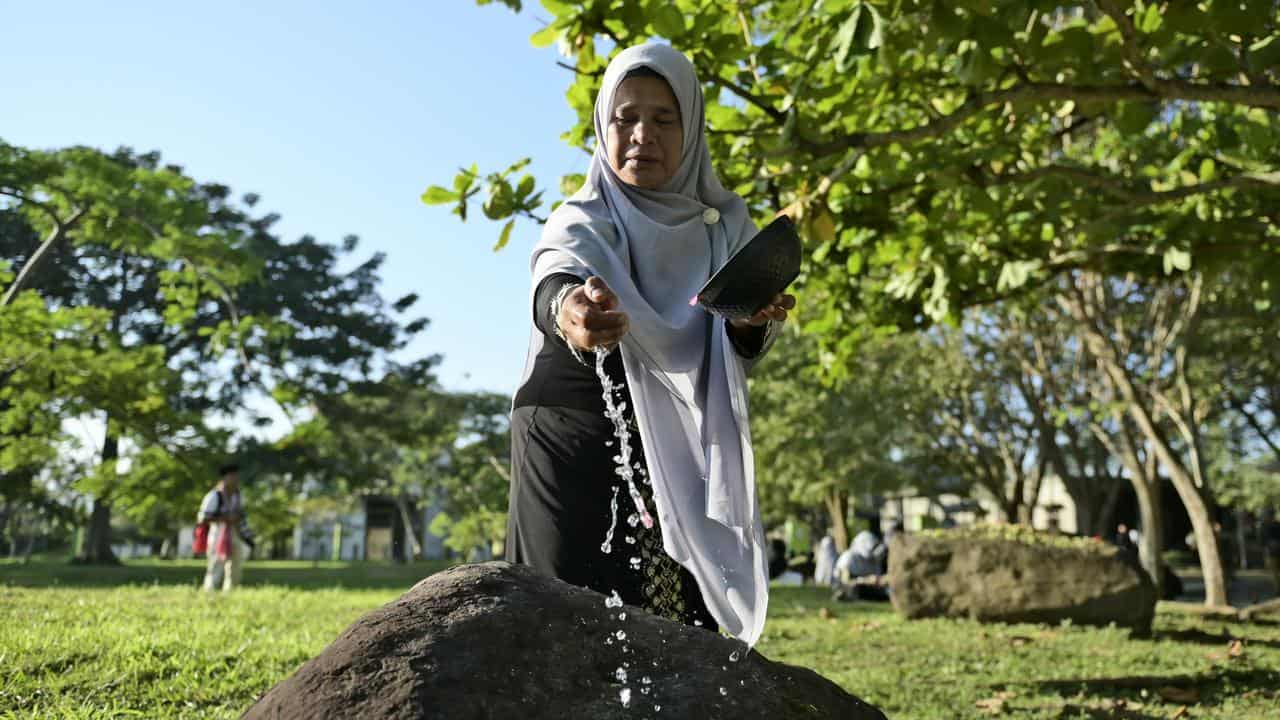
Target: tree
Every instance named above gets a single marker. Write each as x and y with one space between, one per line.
821 446
472 478
188 278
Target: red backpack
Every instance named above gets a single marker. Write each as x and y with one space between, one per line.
200 541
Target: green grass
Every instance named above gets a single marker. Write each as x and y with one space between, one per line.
142 641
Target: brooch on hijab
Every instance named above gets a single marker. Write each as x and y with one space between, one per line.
711 216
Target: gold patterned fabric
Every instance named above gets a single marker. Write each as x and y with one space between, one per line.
668 589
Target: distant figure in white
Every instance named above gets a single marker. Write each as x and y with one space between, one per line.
824 562
229 534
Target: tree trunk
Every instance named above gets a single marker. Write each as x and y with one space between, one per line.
1242 540
1106 516
1151 541
1215 586
11 530
837 502
97 543
1146 486
414 546
1207 547
31 544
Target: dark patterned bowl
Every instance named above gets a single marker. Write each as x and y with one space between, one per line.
762 268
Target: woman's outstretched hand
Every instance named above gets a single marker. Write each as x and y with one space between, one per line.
589 317
775 311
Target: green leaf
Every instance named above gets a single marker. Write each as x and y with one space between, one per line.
436 195
1131 118
570 184
505 237
1016 273
1266 52
946 21
1176 259
870 34
525 187
1208 170
860 34
976 66
1149 20
667 20
501 200
546 36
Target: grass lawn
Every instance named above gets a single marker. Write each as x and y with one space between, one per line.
142 641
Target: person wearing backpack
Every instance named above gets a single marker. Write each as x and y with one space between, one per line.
222 513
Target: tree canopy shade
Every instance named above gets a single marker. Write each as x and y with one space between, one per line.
947 154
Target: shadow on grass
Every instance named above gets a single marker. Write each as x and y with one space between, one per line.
1202 637
1203 689
1084 712
302 575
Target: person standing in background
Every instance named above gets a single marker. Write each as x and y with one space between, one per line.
824 562
223 509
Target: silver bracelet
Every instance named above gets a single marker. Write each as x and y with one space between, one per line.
556 302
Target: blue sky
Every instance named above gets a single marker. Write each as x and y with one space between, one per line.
337 115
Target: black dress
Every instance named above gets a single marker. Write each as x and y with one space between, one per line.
563 481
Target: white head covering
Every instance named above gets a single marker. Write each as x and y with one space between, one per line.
655 249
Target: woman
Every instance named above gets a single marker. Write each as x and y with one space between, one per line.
615 269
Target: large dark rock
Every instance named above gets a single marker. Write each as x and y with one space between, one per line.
1013 575
499 641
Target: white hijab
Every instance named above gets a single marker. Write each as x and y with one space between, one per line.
655 249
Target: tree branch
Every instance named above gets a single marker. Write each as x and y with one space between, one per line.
778 116
1266 96
1133 194
1239 406
59 231
580 71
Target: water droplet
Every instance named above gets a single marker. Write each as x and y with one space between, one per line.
615 412
644 691
635 563
621 675
733 656
607 546
724 692
630 540
697 623
646 680
622 616
620 635
608 640
633 519
625 696
657 708
613 601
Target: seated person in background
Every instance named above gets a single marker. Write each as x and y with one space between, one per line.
858 569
